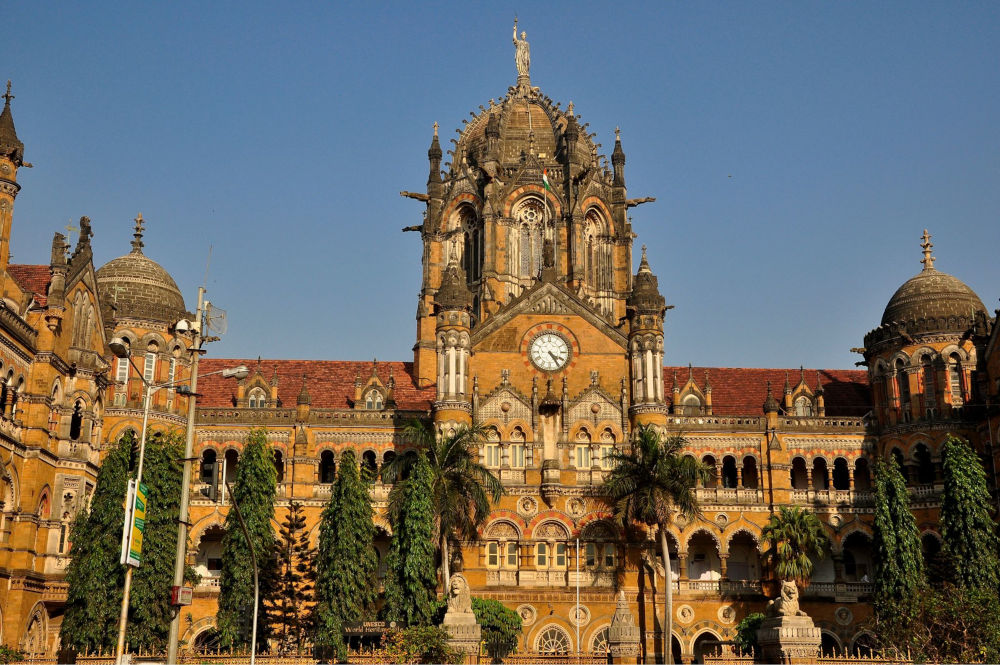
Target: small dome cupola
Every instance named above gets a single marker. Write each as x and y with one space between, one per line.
932 300
454 294
645 297
135 286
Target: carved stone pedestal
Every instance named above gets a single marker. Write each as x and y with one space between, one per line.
789 639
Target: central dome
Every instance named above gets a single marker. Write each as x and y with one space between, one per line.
136 286
933 295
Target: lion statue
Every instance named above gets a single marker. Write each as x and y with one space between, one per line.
787 602
459 600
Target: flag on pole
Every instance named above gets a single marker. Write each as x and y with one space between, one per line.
545 179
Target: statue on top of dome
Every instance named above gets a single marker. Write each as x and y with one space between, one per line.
522 53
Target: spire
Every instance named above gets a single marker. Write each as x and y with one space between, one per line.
645 296
928 259
453 294
137 243
618 159
770 404
10 146
303 397
434 155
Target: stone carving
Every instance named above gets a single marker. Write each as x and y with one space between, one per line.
551 531
579 616
548 305
576 507
527 506
844 616
727 614
685 614
528 614
459 599
787 602
460 622
502 531
623 634
522 53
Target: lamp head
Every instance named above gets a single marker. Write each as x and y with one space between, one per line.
239 372
120 347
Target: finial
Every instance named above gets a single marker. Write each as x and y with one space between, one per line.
928 259
569 109
643 252
618 134
435 128
7 96
690 372
137 244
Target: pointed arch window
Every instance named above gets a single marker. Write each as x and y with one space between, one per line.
803 406
76 421
373 400
257 399
930 383
903 385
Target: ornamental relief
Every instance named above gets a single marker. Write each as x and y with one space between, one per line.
823 443
504 406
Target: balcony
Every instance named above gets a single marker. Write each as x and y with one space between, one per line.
740 587
729 496
833 497
699 587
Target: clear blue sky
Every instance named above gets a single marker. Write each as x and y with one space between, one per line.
796 149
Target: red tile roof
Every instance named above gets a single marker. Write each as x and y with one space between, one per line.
742 391
32 279
330 383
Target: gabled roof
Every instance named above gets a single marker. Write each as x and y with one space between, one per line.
742 391
32 279
330 383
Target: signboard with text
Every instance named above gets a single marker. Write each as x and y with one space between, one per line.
135 524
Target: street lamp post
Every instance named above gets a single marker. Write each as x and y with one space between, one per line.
120 349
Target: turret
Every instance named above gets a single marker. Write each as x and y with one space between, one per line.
452 308
434 185
646 307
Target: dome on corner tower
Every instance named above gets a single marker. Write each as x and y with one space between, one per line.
136 286
933 300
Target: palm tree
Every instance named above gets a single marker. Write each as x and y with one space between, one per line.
649 483
795 536
462 489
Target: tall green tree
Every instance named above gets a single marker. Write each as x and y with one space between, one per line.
289 608
95 575
795 536
968 531
648 483
151 612
461 487
899 569
411 584
346 564
254 493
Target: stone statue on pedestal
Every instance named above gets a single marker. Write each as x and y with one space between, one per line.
459 620
787 634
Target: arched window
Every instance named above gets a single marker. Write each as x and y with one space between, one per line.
368 461
493 456
149 368
692 405
76 421
930 384
903 385
800 476
327 467
517 458
749 475
257 399
820 480
553 640
373 400
925 467
955 379
279 467
208 476
729 474
862 478
709 461
803 406
528 215
230 463
582 450
841 474
897 457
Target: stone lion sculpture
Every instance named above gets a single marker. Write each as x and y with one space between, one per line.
787 602
459 599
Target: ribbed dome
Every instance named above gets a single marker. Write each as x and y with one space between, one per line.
137 286
933 295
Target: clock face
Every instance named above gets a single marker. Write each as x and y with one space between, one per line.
549 352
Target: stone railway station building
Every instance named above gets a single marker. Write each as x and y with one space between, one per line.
530 322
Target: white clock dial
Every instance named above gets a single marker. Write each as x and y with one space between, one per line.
549 352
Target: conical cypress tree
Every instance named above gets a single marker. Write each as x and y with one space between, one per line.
411 582
899 568
150 613
968 531
346 586
254 493
290 606
95 575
